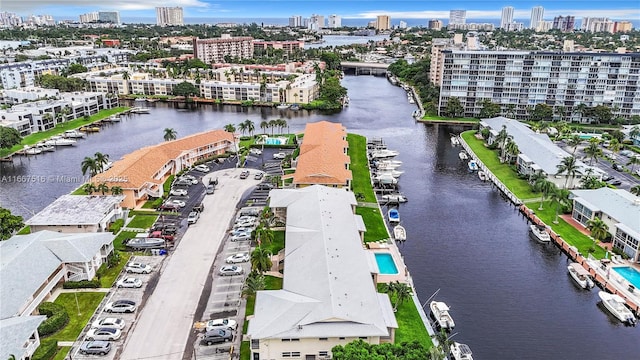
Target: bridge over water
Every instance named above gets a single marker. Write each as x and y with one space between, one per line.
363 68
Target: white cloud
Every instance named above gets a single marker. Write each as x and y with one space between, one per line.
36 6
495 14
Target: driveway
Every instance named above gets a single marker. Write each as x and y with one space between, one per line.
165 323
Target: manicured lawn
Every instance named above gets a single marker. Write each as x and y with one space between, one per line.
376 228
142 221
87 302
444 118
278 242
410 325
121 237
271 283
62 353
504 172
111 274
60 128
167 184
25 230
245 351
359 166
565 230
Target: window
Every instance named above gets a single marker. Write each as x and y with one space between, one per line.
323 353
323 339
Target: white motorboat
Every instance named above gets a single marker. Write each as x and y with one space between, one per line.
74 134
461 351
440 312
455 141
463 155
393 215
139 110
112 118
482 175
31 150
399 233
389 172
386 167
394 198
385 179
145 243
60 141
383 154
283 106
140 99
616 305
539 233
473 165
44 147
580 275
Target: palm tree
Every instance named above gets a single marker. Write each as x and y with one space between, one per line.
261 259
593 151
254 283
103 188
561 198
633 134
101 160
403 292
615 145
633 161
242 127
511 111
574 141
264 235
116 190
230 128
512 150
89 188
599 231
545 187
250 126
264 125
501 140
568 166
635 190
90 165
170 134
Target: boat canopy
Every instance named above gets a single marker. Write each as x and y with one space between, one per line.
579 269
464 349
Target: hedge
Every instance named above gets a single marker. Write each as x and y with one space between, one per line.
46 350
57 318
84 284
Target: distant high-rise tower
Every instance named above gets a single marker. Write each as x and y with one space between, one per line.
169 16
334 21
295 21
457 17
507 17
435 24
109 17
565 24
537 15
316 22
383 22
403 24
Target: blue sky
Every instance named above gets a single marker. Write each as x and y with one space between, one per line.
421 9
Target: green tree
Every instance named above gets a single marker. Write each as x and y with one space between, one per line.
250 126
454 107
635 190
544 186
599 231
331 60
242 127
569 167
489 109
261 260
254 283
9 223
9 137
101 160
89 165
633 161
593 151
264 235
634 133
89 188
560 197
602 114
230 128
402 293
574 141
512 150
264 125
76 68
186 89
542 112
103 188
116 190
170 134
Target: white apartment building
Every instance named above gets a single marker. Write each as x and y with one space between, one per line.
526 78
537 15
507 17
215 50
89 17
169 16
334 21
295 21
457 17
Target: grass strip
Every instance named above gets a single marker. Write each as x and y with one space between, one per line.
361 184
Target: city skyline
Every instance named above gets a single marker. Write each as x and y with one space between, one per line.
71 9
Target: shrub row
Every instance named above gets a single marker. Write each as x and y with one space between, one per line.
57 318
46 350
84 284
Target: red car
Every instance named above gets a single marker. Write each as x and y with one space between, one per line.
160 235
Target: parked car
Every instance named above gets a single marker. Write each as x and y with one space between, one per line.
217 336
254 151
202 168
199 207
279 155
244 224
95 348
617 167
259 175
109 322
185 183
614 182
161 235
237 258
229 270
121 306
104 333
607 177
167 228
264 186
190 178
245 174
193 217
221 324
129 282
177 202
627 153
169 207
178 192
138 268
241 237
241 230
210 189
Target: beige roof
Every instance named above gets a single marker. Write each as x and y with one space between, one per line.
322 157
139 167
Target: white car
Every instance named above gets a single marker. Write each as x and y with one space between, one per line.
193 217
241 230
221 324
279 155
121 306
138 268
109 322
129 282
202 168
237 258
177 202
254 151
103 333
244 224
191 178
179 192
229 270
241 237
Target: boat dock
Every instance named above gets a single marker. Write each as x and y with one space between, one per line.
600 271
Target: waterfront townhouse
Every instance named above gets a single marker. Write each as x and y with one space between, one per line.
142 173
323 158
537 153
218 49
525 79
328 296
78 214
619 209
289 47
31 267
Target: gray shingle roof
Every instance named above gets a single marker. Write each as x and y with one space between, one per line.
619 204
76 210
26 261
15 332
327 288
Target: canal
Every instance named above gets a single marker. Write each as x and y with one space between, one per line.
511 297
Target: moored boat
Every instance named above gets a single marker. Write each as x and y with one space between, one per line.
385 180
31 150
440 312
295 107
139 110
383 153
482 176
461 351
90 128
616 306
399 233
282 106
145 243
580 275
393 215
454 140
389 172
394 198
74 134
473 165
59 141
463 155
539 233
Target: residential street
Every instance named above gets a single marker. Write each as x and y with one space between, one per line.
165 323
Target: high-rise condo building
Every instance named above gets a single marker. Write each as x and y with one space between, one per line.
215 50
623 26
295 21
109 17
89 17
507 17
383 22
169 16
334 21
565 24
537 15
316 22
435 24
457 17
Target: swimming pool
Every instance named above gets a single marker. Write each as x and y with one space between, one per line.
630 274
386 265
276 141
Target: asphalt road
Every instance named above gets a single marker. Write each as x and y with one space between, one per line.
164 325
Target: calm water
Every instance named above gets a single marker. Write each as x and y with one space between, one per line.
510 296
